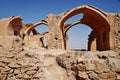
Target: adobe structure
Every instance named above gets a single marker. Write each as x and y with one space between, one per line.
105 34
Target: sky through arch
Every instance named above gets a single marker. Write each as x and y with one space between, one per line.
76 37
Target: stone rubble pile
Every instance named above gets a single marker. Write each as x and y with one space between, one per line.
23 65
72 65
103 65
20 66
19 63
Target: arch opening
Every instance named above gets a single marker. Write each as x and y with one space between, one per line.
78 37
38 32
99 36
74 18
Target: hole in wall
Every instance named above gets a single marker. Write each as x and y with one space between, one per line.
17 40
15 33
56 38
44 42
0 45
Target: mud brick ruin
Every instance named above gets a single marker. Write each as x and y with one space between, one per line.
105 34
26 57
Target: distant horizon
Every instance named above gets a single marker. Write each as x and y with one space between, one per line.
34 11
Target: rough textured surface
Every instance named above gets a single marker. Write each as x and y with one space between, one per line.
42 64
117 31
103 65
23 65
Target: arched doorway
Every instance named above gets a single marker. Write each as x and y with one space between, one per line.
94 18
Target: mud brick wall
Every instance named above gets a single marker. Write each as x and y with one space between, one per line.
117 31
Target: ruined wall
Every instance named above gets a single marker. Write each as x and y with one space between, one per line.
105 32
117 31
114 21
104 27
34 41
25 57
11 43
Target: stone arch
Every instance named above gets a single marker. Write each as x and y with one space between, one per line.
94 18
69 26
27 32
15 26
38 39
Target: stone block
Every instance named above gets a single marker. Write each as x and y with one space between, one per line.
17 71
93 76
101 66
115 64
32 72
83 75
14 65
90 66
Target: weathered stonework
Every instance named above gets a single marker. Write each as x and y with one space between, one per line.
26 57
105 34
117 31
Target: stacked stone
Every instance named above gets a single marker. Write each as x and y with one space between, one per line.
20 66
92 65
117 31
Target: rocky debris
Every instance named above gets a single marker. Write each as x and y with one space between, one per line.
91 65
31 64
82 75
23 65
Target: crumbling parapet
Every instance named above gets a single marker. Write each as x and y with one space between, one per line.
55 39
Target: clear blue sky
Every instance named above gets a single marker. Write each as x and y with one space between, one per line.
35 10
